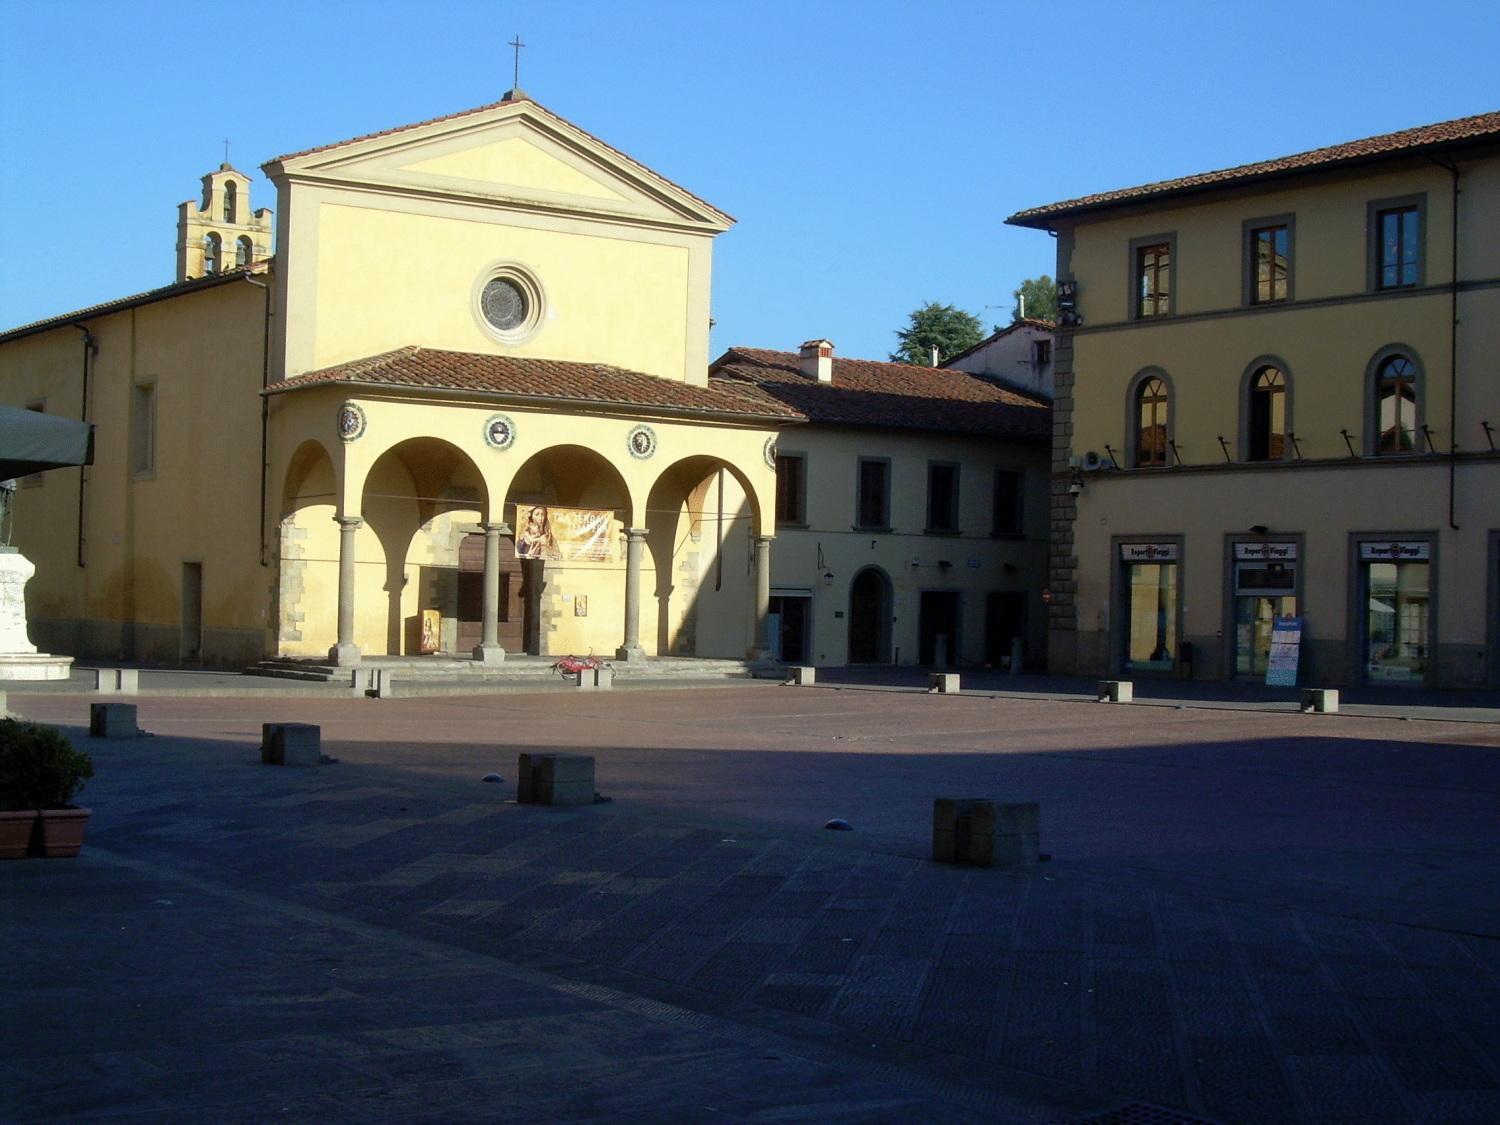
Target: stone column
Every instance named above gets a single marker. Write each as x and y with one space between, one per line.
635 547
346 652
489 650
760 603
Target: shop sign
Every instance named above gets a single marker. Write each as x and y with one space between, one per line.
1286 647
1265 552
1148 552
1395 551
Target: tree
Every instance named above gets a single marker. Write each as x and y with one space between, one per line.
949 329
1040 294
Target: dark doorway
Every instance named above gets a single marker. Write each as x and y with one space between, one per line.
937 629
1004 619
870 618
793 615
512 632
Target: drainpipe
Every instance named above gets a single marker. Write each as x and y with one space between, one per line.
1451 165
90 349
265 414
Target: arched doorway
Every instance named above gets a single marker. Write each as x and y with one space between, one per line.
870 617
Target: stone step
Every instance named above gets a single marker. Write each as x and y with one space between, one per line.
522 668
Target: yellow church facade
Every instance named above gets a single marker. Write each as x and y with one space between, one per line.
321 454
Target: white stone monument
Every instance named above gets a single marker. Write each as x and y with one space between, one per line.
19 659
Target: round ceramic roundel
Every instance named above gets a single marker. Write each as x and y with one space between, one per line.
499 431
642 442
504 304
771 452
351 422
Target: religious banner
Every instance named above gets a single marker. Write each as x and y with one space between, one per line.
1286 647
565 534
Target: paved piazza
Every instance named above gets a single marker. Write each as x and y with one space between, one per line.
1247 916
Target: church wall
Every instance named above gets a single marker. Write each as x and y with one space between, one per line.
195 360
378 272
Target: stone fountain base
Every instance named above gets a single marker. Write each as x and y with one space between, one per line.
19 659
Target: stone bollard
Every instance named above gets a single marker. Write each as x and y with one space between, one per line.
105 682
555 779
944 683
1116 691
290 744
584 680
975 832
359 682
111 681
112 720
382 683
4 710
804 676
604 678
1323 701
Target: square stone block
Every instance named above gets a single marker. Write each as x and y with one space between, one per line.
382 683
112 720
604 678
551 792
1116 691
974 832
555 779
1017 849
804 676
290 744
944 683
1324 701
1017 818
584 679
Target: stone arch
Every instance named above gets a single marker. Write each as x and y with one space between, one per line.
306 611
1247 391
1374 370
1133 392
700 519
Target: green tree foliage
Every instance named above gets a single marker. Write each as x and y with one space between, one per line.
1041 298
949 329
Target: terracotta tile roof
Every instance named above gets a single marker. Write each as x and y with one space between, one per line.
513 98
521 378
867 392
135 300
1483 126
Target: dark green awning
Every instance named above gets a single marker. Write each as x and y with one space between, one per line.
32 442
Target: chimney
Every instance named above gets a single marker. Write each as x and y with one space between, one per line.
817 360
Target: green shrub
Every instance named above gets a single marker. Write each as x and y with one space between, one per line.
39 769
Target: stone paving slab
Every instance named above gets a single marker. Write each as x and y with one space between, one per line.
929 990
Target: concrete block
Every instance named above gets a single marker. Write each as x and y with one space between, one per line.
382 684
584 679
105 682
1116 691
1323 701
112 720
974 832
944 683
604 678
359 682
128 681
290 744
804 676
555 779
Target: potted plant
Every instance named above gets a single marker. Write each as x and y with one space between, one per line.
39 774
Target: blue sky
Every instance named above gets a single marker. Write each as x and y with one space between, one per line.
870 150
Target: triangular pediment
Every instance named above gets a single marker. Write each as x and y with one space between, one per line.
515 154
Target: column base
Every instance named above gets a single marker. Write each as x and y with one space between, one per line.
630 652
345 656
489 654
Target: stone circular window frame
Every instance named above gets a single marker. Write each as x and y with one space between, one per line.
510 424
649 435
531 289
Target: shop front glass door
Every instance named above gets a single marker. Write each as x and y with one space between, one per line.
1252 631
1396 623
1150 616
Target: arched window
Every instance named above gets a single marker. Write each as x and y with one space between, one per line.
1151 423
230 191
243 251
211 250
1266 416
1396 405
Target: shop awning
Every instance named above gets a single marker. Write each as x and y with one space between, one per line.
32 442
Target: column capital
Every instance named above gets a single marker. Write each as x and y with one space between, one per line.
349 523
501 528
764 540
636 534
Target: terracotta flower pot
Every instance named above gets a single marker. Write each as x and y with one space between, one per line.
15 832
62 831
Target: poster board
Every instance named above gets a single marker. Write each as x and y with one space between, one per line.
1286 650
546 531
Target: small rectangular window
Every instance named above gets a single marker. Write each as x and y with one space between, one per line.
1270 257
143 428
1007 502
874 504
35 480
1153 279
791 489
1399 232
942 497
1041 352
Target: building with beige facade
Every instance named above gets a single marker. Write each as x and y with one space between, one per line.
1275 400
911 511
320 453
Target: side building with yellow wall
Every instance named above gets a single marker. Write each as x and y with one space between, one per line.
911 511
1273 400
318 456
